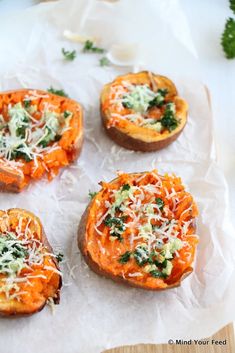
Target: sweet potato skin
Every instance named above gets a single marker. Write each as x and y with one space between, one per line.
19 181
133 144
126 140
8 309
81 241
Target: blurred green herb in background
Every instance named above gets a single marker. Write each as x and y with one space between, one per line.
228 36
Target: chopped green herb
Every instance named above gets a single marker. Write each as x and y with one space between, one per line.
90 47
104 61
157 274
160 203
127 105
21 129
59 257
20 153
51 130
117 226
158 101
57 137
228 39
58 92
163 91
141 255
168 120
164 263
43 143
67 113
124 258
69 55
110 221
92 194
117 235
20 132
126 187
27 103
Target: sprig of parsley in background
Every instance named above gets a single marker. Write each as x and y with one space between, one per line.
69 55
228 39
228 36
89 47
232 5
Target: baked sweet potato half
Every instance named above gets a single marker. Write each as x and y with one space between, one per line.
29 272
142 111
139 229
40 132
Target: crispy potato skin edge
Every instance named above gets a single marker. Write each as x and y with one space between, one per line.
81 241
133 144
56 299
14 187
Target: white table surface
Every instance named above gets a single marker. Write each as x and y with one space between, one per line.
206 19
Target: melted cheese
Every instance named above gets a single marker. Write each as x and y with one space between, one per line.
20 254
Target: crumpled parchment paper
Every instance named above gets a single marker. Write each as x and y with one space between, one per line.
95 313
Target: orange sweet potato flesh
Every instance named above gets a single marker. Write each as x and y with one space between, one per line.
14 178
46 283
134 137
102 255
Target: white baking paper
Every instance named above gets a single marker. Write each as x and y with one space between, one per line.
96 314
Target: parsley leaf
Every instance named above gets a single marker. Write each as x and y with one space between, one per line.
104 61
59 257
21 129
19 153
67 113
124 258
117 235
157 274
43 143
141 255
27 103
168 120
49 137
116 224
125 187
158 101
69 55
228 39
160 203
232 5
163 91
110 221
127 105
58 92
90 47
92 194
